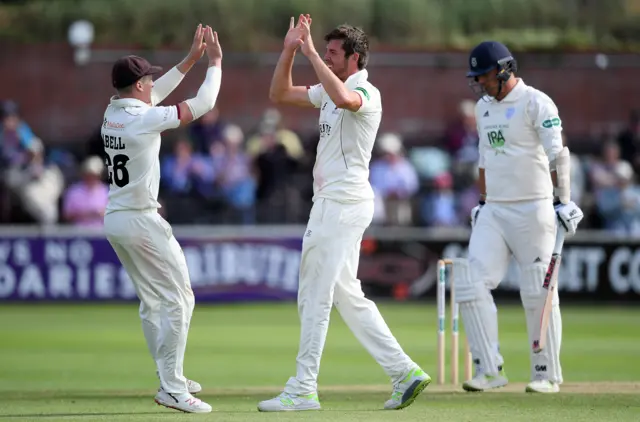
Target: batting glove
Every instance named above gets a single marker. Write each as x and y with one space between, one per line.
569 216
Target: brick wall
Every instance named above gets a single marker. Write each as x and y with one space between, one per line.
63 102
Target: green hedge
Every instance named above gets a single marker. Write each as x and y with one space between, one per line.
250 25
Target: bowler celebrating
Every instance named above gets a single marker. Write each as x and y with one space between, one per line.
350 113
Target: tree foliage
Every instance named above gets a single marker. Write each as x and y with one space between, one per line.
253 25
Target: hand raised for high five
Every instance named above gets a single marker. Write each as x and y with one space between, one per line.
198 46
292 36
212 45
305 41
296 32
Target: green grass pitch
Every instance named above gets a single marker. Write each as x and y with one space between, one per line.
89 362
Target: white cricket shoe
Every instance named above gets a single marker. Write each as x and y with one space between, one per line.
290 402
193 387
483 382
184 402
406 391
542 386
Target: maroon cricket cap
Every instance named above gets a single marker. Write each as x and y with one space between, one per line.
128 69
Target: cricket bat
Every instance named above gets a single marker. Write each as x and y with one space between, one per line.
550 284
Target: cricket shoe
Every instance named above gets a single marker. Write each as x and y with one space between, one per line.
542 386
184 402
483 382
406 391
193 387
286 402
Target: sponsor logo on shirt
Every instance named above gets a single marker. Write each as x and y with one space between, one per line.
549 123
112 125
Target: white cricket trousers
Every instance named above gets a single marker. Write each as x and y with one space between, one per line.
154 260
527 230
328 275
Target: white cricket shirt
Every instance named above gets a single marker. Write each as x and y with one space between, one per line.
517 137
341 170
131 137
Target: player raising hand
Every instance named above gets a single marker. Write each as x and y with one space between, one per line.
141 238
350 114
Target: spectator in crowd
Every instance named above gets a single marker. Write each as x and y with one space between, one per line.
15 145
272 126
37 184
461 138
85 201
185 172
629 141
629 221
467 198
207 131
394 181
15 137
439 206
235 179
616 194
274 168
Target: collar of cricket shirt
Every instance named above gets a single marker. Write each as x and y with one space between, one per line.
517 91
127 102
353 80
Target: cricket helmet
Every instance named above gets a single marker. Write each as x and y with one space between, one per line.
485 57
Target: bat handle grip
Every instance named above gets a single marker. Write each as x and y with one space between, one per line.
557 248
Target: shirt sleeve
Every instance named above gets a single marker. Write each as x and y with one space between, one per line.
370 98
158 119
546 122
315 95
165 85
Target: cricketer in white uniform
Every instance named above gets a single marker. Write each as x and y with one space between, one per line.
522 160
141 238
350 113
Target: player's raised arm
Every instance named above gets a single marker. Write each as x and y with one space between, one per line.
205 99
282 90
165 85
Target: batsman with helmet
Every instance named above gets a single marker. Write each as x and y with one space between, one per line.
525 198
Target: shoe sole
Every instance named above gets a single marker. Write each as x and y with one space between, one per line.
472 389
417 389
531 390
159 403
